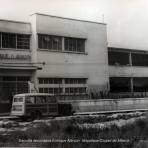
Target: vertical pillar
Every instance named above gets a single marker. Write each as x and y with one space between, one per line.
131 84
130 59
63 85
63 45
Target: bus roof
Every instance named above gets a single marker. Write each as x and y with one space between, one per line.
33 94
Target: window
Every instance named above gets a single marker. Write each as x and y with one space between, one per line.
50 42
16 41
118 58
51 99
139 59
75 90
50 81
120 84
40 99
23 41
30 99
8 40
18 99
70 85
75 80
54 43
140 84
50 90
74 44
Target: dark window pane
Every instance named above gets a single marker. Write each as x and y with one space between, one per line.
81 45
139 59
67 90
51 90
41 90
45 90
140 84
118 58
119 84
23 78
9 78
41 81
8 40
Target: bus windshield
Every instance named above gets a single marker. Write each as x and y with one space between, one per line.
18 99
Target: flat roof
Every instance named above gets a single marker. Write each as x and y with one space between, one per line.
119 49
13 21
69 18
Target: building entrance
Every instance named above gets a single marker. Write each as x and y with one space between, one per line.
11 85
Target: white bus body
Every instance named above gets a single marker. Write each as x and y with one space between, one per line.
34 105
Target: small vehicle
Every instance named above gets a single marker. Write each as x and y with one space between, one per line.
34 105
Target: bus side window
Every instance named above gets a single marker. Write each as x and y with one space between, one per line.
40 99
51 99
30 99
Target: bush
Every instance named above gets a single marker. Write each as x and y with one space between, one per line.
69 129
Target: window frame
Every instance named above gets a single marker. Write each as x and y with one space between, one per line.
73 42
63 44
75 85
4 44
49 45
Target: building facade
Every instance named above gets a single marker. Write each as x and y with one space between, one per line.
59 55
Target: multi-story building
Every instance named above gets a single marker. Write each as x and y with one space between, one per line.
59 55
128 70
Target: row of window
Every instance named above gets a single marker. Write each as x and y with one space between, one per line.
127 84
50 42
65 80
63 88
125 58
68 90
59 43
40 99
14 78
75 90
51 90
50 81
75 81
16 41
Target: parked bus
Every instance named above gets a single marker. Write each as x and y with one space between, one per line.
34 105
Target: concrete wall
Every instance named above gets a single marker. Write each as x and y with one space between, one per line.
92 65
125 71
106 105
15 27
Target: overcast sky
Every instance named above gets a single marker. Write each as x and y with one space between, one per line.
127 20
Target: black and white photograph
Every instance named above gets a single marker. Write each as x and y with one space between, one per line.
74 73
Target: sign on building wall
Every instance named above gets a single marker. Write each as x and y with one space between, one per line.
14 56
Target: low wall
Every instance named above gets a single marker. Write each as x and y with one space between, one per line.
109 104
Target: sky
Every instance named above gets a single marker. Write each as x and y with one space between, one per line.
127 20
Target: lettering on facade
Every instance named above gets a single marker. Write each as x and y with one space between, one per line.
14 57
